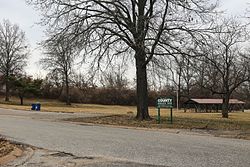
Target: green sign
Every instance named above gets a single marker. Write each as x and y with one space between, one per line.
165 102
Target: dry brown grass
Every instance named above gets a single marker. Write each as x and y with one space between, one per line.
237 126
123 115
56 106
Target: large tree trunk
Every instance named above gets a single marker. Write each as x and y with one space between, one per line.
67 90
7 89
225 106
141 87
179 89
21 96
21 100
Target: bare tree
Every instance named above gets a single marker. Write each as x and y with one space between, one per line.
227 66
13 52
185 73
59 58
199 74
81 81
115 78
110 29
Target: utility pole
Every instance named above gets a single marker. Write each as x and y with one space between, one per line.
177 92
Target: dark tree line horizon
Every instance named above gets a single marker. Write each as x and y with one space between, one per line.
115 90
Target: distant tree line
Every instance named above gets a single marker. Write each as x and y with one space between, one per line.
115 90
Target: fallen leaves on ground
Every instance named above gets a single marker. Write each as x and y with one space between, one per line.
5 147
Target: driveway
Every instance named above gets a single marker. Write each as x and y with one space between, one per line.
122 146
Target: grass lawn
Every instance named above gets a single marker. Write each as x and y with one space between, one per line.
237 124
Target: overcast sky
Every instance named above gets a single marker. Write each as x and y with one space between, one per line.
17 11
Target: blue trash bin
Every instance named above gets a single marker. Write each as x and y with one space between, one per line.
38 106
33 106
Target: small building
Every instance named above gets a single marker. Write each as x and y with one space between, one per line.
212 105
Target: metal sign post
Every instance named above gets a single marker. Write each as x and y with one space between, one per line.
159 115
171 115
164 103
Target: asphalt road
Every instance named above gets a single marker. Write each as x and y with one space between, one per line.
137 146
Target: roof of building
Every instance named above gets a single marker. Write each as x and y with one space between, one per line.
215 101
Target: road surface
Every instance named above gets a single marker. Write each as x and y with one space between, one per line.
156 148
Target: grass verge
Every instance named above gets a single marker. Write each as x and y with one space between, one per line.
218 127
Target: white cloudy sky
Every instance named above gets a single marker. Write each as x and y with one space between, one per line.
26 17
